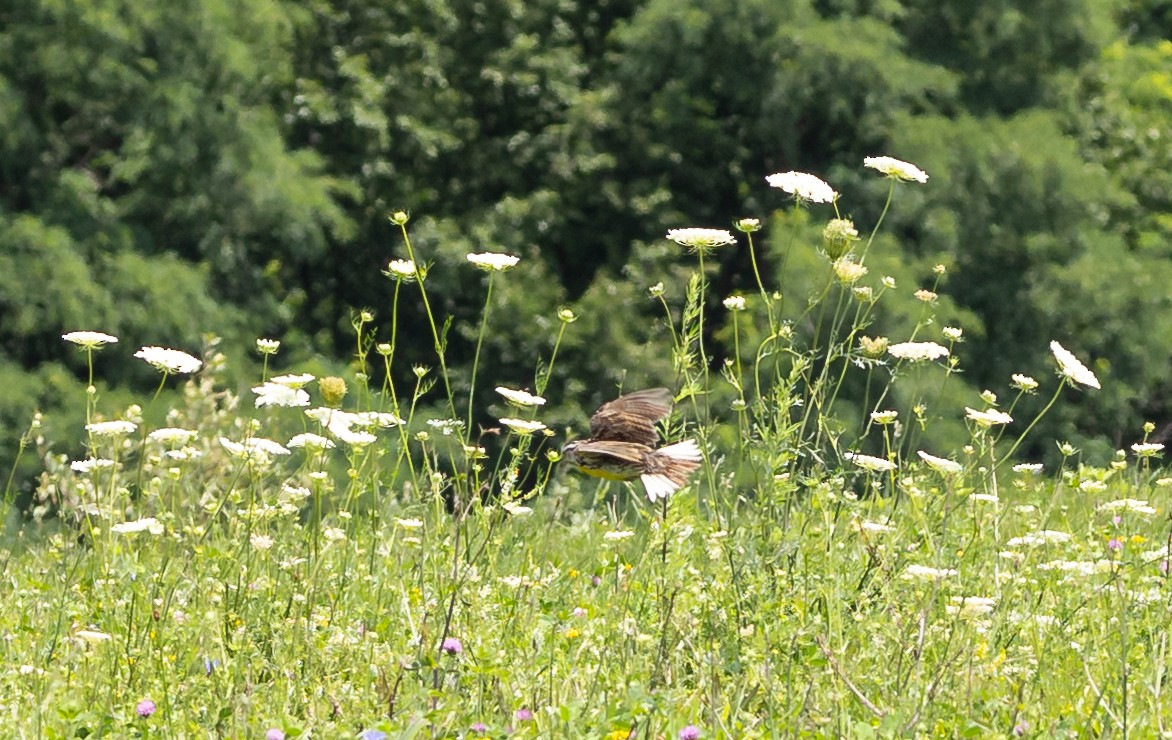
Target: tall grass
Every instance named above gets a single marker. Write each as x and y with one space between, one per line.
376 572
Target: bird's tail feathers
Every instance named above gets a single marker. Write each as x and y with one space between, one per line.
669 468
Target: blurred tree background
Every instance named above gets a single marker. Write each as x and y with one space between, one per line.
170 168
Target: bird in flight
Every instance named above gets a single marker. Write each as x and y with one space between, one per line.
622 442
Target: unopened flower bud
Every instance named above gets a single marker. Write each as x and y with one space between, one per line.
333 390
837 237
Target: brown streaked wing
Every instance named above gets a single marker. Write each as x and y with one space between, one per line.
632 418
629 452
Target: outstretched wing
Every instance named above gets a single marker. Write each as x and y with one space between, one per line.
632 418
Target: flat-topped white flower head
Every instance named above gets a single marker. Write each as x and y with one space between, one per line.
701 240
293 381
803 186
493 261
401 270
254 449
522 426
988 417
111 428
172 435
869 462
1147 449
169 360
149 524
896 169
928 573
520 398
941 464
1070 368
91 464
918 351
276 394
311 441
89 339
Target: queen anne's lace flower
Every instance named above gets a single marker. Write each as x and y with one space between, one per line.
150 524
918 351
169 360
868 462
1070 368
803 186
520 398
988 417
171 435
1128 504
928 573
735 303
91 464
276 394
1024 383
256 449
401 269
493 261
111 428
940 464
89 339
293 381
896 169
1036 539
1147 449
312 441
522 426
701 239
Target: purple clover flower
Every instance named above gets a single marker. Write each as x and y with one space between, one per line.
690 732
452 646
145 708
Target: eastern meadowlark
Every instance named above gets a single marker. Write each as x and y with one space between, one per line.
622 445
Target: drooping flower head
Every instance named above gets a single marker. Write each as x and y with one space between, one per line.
1071 368
803 187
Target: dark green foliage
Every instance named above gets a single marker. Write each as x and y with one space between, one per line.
174 168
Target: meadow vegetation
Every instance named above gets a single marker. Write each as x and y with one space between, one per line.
358 557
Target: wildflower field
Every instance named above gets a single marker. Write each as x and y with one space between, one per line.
340 557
